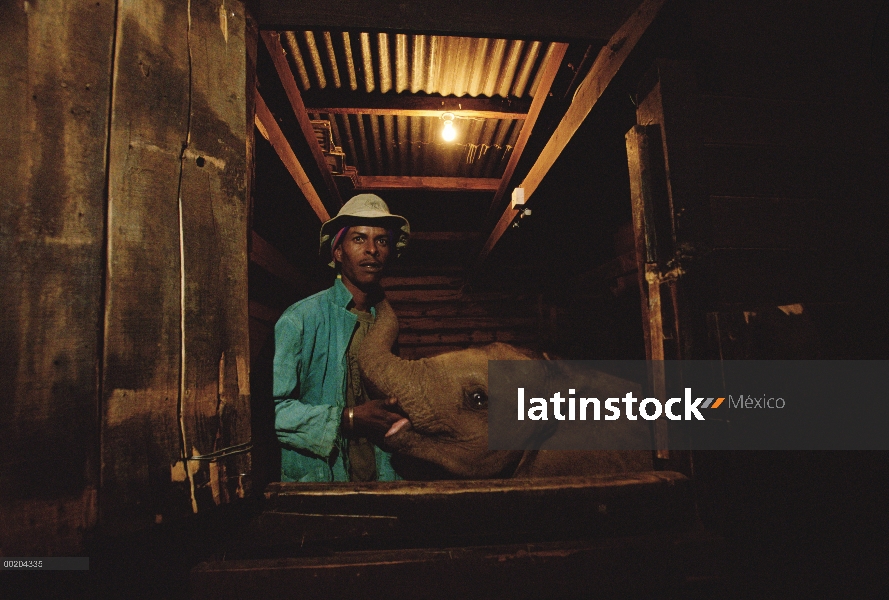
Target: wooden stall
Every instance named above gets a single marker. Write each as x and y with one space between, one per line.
699 181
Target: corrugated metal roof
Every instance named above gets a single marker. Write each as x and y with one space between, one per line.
383 63
412 146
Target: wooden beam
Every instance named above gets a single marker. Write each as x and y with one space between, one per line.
276 51
562 20
416 270
393 282
354 103
446 236
439 184
607 64
550 69
260 311
468 307
660 563
423 295
437 295
410 112
270 258
270 130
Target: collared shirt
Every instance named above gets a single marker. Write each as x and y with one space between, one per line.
311 339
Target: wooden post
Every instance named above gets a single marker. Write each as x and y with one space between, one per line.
251 39
666 203
638 155
175 387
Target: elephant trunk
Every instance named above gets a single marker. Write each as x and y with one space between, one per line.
390 374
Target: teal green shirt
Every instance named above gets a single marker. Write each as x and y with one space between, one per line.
311 339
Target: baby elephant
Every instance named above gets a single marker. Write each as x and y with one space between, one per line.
445 400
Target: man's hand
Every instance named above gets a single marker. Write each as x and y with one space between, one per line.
373 418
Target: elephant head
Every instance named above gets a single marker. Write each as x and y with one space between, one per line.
445 399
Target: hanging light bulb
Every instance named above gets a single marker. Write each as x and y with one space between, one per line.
448 133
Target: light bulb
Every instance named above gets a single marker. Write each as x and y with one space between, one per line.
448 133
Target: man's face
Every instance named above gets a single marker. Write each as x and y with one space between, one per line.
362 254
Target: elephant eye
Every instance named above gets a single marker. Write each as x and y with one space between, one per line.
478 399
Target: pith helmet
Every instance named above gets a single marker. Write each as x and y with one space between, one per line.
366 209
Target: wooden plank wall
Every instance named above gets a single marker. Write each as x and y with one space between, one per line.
439 311
55 69
776 206
124 223
435 314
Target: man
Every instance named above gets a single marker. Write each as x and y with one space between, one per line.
323 418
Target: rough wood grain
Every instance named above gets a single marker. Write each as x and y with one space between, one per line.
215 409
435 316
56 74
141 364
175 367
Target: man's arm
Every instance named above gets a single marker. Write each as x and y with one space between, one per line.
298 424
374 418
